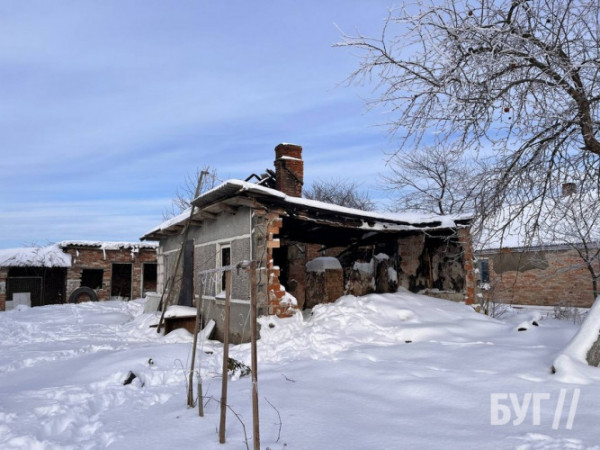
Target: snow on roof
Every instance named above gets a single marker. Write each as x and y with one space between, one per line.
54 256
182 217
394 221
108 245
49 256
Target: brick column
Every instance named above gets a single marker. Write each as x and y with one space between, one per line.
275 291
464 237
3 277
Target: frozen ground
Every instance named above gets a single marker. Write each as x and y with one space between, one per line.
378 372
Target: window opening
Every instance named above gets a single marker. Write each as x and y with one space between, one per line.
484 270
224 260
92 278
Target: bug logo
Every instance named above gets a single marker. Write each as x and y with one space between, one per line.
512 408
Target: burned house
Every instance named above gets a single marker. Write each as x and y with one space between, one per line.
309 252
74 271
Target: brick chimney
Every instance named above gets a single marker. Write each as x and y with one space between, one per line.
289 169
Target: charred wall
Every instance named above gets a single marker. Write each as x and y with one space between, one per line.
418 262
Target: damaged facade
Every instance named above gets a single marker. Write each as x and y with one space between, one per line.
308 252
73 271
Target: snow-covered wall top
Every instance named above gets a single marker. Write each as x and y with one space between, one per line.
49 256
54 256
323 263
108 245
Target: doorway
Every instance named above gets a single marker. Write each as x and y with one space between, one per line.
120 280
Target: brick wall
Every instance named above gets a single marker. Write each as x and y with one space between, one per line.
324 287
95 258
439 266
539 278
275 291
464 237
298 254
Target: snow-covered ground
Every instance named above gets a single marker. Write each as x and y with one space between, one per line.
390 371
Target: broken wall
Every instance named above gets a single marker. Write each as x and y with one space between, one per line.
3 277
438 265
435 265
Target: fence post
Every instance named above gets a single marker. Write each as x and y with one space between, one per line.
225 357
254 355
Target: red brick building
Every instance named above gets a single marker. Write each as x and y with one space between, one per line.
547 276
547 255
76 271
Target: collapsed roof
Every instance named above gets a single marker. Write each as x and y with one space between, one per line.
232 194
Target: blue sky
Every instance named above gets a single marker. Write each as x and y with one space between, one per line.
107 105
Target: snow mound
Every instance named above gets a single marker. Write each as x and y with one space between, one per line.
571 364
382 319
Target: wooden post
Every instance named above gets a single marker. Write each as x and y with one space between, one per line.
165 304
225 357
200 398
254 355
190 395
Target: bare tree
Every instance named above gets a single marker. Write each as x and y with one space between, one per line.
184 194
571 221
575 222
433 179
514 83
340 192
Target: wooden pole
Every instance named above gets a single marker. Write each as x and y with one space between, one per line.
225 357
185 233
254 355
200 398
190 394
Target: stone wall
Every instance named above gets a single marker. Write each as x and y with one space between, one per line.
552 277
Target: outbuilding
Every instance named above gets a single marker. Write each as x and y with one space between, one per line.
73 271
288 236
